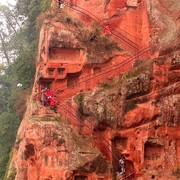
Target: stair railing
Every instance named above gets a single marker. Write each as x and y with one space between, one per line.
110 69
124 39
129 175
105 142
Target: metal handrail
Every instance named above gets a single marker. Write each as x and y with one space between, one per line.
92 125
95 18
82 123
110 69
127 176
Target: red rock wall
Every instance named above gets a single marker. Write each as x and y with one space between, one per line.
144 122
126 112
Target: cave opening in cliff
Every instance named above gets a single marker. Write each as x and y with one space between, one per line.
29 151
153 154
46 82
80 177
153 177
61 71
73 79
119 142
64 54
101 126
51 71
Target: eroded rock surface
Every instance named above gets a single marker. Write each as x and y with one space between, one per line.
144 120
117 94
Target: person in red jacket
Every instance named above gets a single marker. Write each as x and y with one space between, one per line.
50 97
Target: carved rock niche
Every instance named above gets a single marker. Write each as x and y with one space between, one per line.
79 177
64 54
153 154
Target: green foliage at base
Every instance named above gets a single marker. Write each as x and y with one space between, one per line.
19 70
8 164
8 128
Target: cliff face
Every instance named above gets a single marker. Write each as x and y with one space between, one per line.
117 94
141 112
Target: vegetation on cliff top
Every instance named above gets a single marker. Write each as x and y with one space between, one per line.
98 46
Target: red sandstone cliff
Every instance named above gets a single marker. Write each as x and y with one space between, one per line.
118 94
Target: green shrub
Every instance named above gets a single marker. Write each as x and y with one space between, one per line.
99 47
79 101
8 128
105 85
13 174
45 5
25 67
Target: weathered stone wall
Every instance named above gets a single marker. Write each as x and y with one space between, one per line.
144 109
132 113
164 23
